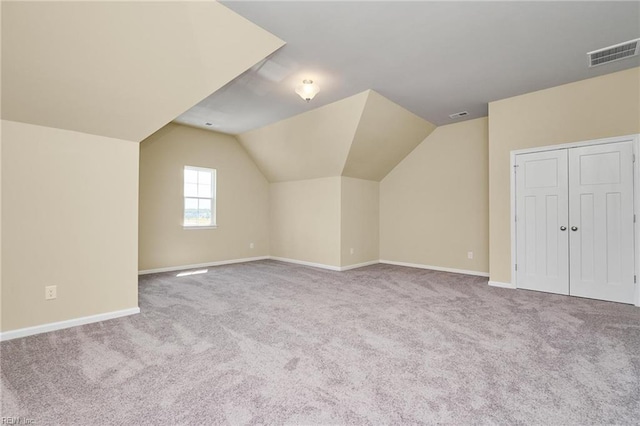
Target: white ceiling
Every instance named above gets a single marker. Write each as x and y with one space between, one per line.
433 58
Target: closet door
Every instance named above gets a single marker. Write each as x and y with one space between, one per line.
541 222
601 222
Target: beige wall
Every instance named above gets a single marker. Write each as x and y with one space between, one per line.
242 200
434 204
360 221
1 224
0 185
590 109
320 220
305 220
69 219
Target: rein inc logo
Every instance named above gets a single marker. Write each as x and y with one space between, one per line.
17 421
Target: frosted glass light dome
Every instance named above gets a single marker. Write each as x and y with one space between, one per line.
307 90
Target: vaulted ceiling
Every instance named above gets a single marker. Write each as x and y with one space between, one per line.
120 69
433 58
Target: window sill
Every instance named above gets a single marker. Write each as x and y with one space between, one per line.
199 227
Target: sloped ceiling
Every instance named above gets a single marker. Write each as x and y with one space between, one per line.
120 69
310 145
363 136
433 58
386 134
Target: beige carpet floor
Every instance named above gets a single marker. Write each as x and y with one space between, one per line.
273 343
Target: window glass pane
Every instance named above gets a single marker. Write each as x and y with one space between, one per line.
204 204
204 178
191 203
190 211
204 212
204 217
190 190
204 191
190 176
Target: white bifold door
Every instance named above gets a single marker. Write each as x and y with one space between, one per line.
574 221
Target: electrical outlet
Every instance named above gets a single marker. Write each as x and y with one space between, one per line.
352 251
469 255
251 245
50 292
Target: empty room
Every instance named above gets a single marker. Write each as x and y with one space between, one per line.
320 212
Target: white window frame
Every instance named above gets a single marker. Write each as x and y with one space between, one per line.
212 197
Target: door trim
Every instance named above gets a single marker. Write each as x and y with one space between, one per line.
635 139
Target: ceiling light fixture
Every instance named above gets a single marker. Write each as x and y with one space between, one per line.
307 90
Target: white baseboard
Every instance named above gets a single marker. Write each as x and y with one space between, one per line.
502 285
359 265
202 265
305 263
324 266
252 259
60 325
436 268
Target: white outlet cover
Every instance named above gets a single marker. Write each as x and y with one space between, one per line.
50 292
469 255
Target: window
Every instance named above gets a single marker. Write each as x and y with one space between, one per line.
199 197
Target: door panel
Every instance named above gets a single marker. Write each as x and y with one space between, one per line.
587 240
601 220
541 211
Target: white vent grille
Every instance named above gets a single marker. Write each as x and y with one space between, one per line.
458 115
614 53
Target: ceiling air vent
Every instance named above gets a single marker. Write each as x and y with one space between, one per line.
614 53
458 115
